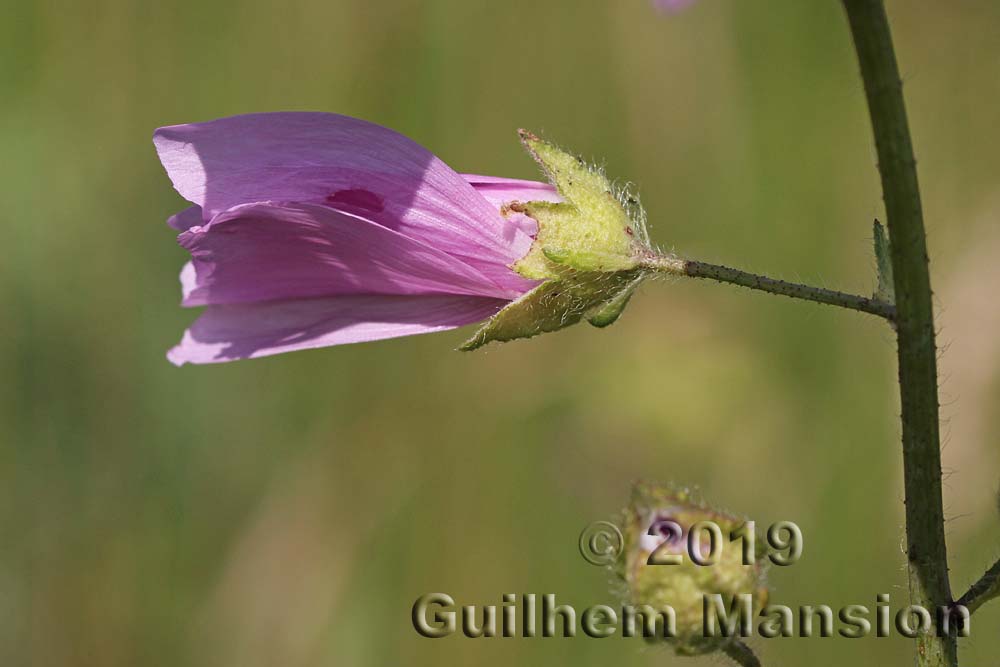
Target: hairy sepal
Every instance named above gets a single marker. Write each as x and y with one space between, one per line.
588 251
557 304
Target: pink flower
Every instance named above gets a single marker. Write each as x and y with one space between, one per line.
314 229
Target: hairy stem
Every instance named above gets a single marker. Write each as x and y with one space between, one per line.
984 590
926 552
724 274
741 654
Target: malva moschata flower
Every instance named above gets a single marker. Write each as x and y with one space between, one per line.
316 229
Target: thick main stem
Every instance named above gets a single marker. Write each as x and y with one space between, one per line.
925 542
724 274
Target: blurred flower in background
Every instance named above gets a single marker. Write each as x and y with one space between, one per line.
672 5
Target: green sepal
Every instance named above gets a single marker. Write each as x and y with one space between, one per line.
886 290
608 313
595 228
587 188
557 223
589 261
553 305
588 251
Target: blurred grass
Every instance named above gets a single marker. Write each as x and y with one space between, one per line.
288 511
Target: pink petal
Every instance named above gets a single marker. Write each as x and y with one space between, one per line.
344 162
243 331
262 252
496 190
186 219
500 191
189 281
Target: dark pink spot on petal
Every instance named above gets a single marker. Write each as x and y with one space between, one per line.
356 199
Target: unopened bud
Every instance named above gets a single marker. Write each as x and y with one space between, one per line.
672 560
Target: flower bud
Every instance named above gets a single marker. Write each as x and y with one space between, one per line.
658 527
587 252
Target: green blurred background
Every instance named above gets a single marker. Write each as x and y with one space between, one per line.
288 511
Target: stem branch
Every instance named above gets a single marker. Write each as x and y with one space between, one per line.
984 590
927 558
724 274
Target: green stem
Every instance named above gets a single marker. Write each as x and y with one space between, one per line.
984 590
724 274
741 654
927 558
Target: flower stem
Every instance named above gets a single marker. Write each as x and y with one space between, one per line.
741 654
984 590
724 274
926 551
